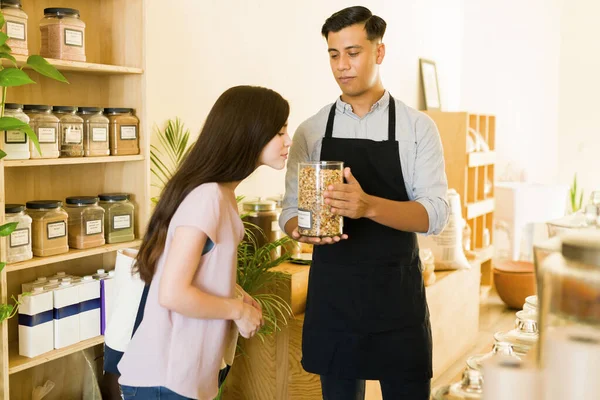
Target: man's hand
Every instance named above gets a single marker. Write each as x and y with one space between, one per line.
315 240
348 199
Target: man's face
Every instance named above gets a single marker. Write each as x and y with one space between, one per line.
354 59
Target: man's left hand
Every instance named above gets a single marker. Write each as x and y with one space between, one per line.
348 199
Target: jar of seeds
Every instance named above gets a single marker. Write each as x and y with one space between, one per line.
314 216
71 131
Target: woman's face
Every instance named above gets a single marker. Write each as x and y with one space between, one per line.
275 153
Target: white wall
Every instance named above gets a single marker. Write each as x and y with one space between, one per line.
511 69
579 130
196 50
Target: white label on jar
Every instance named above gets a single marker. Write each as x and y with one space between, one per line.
15 137
275 226
73 38
19 237
46 135
99 135
57 229
304 219
128 132
15 30
93 227
72 135
121 222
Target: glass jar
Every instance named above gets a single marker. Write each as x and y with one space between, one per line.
504 349
95 132
314 216
118 217
63 34
124 127
16 143
86 222
470 387
264 217
49 227
524 336
70 127
19 242
15 26
45 126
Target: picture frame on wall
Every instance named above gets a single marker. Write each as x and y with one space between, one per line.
429 83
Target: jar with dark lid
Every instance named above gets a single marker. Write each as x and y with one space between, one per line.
86 222
45 126
263 214
118 217
124 131
16 143
63 34
70 127
18 246
15 26
95 132
49 227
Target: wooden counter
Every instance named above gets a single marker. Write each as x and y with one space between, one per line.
272 370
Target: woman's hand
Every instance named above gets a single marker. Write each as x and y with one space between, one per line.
250 321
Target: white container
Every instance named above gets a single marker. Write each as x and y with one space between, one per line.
36 324
89 308
66 315
16 143
523 209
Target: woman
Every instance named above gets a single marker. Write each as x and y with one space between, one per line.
177 351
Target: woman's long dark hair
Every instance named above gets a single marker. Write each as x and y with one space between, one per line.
241 123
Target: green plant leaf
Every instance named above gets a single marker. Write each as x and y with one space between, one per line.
2 154
4 48
1 20
39 64
9 57
3 38
7 229
11 124
2 265
33 137
10 77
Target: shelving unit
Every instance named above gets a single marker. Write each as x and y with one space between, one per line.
112 77
471 174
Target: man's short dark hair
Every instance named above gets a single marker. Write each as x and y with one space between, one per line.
374 25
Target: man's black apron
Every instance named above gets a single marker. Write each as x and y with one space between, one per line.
366 312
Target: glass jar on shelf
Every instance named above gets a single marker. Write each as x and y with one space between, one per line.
95 132
49 227
86 222
18 244
70 127
124 131
118 217
16 143
63 34
45 126
15 26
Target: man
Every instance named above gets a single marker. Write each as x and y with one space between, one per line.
366 312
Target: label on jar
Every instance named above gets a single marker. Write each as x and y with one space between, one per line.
15 30
99 135
19 237
93 227
304 219
73 38
15 137
275 226
128 132
57 230
121 222
72 135
46 135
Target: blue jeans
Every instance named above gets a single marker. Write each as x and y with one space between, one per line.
150 393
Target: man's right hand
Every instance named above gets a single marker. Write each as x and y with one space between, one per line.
312 240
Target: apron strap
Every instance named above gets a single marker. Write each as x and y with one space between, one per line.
391 120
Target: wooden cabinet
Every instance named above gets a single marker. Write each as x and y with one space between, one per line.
113 77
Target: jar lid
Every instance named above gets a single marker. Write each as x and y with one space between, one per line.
13 106
113 196
260 205
44 204
90 109
11 3
114 110
81 200
38 107
13 208
582 247
61 11
65 109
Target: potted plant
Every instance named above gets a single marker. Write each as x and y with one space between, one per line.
14 76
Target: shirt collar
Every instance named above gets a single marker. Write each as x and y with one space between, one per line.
343 107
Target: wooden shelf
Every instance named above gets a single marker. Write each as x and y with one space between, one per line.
17 363
71 255
71 161
77 66
481 158
480 208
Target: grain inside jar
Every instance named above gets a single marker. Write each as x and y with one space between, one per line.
49 227
15 26
62 34
314 216
124 131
